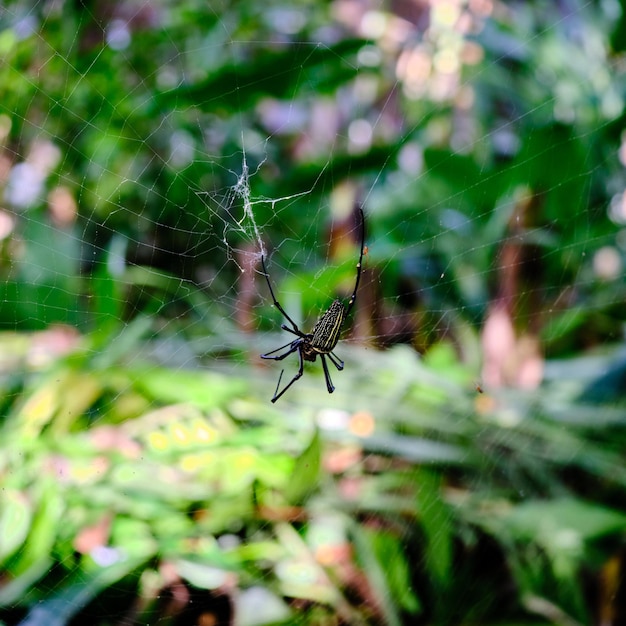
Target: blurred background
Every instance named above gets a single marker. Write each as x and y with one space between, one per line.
470 467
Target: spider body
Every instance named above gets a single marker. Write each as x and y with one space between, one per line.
321 341
326 331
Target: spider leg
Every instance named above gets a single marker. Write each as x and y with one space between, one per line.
296 332
280 377
276 303
329 382
293 346
293 380
336 361
359 265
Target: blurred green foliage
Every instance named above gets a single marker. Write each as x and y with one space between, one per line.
141 461
458 506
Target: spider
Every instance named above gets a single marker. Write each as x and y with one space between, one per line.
324 336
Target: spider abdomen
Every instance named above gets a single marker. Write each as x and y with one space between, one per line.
325 334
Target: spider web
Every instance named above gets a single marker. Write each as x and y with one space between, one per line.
140 193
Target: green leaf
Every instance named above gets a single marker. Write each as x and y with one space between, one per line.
203 389
107 301
134 537
125 341
306 472
416 449
279 73
391 554
577 518
34 558
15 521
435 517
364 542
43 531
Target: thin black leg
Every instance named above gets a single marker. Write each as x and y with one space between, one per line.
276 303
292 345
280 377
292 381
329 382
336 361
359 265
296 332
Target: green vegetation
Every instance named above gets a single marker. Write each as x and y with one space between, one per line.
470 467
